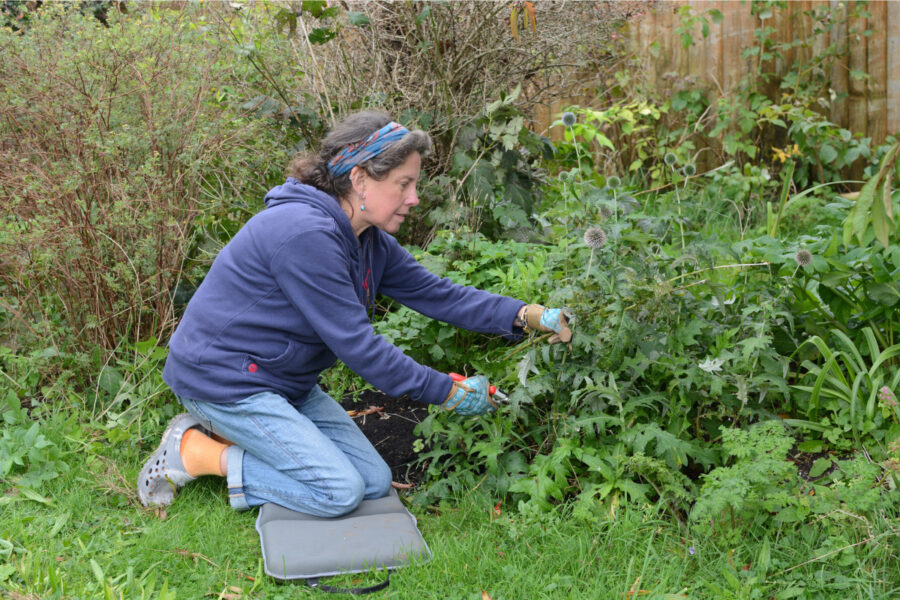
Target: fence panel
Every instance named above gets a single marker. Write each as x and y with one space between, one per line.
869 106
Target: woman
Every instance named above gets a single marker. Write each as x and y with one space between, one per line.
293 291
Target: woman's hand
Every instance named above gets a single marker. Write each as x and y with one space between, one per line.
470 397
549 320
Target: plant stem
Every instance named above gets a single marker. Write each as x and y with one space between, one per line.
678 202
590 261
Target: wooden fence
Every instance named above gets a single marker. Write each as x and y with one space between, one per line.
869 106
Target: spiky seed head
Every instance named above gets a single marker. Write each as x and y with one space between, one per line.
595 237
689 170
569 119
613 182
670 158
803 257
606 211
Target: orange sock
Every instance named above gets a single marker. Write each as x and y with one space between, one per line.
201 455
222 440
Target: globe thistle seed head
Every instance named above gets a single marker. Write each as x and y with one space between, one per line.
670 158
606 211
595 237
689 170
613 182
569 119
803 257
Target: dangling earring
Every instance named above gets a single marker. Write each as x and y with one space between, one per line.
362 205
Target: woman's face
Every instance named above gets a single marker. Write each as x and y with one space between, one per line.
388 201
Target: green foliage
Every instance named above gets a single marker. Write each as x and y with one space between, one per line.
759 483
761 486
845 390
107 167
27 456
874 207
468 259
492 183
662 358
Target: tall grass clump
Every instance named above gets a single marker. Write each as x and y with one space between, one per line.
113 139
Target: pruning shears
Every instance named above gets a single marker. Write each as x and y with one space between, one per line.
492 389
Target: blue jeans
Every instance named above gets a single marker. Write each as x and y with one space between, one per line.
309 457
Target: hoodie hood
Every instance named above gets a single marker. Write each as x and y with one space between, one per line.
361 249
294 191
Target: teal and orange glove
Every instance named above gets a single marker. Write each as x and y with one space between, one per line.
470 396
549 320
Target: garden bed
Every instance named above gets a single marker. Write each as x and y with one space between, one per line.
391 430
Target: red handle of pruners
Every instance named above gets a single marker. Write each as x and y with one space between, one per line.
457 377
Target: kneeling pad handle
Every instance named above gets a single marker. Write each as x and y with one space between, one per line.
314 583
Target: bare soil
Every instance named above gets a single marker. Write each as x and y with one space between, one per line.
391 430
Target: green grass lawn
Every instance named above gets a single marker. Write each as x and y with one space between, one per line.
85 536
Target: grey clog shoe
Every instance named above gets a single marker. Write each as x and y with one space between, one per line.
164 473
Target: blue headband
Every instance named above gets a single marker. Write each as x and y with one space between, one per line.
373 145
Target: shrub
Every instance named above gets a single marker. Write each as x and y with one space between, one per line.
114 141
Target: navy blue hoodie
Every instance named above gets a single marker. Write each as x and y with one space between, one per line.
293 291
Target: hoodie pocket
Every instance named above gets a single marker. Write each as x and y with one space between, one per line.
252 362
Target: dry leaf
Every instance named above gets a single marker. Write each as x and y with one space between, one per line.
368 411
485 595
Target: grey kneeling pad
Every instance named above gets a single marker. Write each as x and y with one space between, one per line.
379 534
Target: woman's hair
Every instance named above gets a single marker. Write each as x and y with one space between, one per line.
313 170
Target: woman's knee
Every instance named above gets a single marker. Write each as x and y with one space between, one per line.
378 483
343 494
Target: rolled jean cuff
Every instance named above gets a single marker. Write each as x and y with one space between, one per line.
235 478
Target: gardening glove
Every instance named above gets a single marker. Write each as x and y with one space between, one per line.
470 397
541 318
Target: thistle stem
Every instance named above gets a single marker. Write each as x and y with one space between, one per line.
590 261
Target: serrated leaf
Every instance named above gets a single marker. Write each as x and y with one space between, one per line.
526 366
